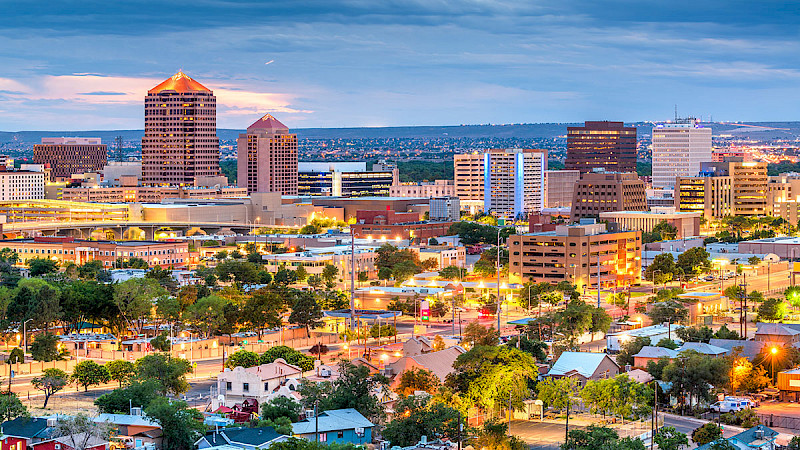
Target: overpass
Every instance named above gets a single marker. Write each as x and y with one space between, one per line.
123 229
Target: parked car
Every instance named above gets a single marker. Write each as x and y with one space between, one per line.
726 406
709 278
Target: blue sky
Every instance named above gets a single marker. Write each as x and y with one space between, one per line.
86 64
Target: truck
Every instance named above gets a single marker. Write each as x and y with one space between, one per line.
731 405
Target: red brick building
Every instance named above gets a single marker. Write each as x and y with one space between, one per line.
419 230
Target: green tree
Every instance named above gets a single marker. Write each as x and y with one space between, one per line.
42 266
120 370
453 273
667 343
666 230
263 309
238 271
416 379
557 392
353 389
289 355
706 433
294 443
135 299
363 277
695 334
476 334
208 313
599 438
306 312
694 261
170 373
181 425
315 281
725 333
630 348
242 358
418 416
668 438
329 272
281 407
669 311
136 393
771 310
692 375
88 373
301 273
45 348
656 368
11 407
662 269
161 343
51 381
533 347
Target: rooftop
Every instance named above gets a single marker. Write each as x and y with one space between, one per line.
180 82
584 363
334 420
268 122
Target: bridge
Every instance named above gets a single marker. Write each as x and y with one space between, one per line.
123 229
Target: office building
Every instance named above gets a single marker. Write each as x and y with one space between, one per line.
147 194
438 188
560 187
678 150
687 223
21 184
445 208
342 179
601 145
513 182
719 155
180 133
571 253
732 187
713 196
267 157
384 166
468 174
601 191
69 156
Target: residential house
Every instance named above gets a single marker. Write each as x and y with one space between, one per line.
650 353
779 334
72 442
439 363
262 383
584 366
135 430
747 349
339 425
23 432
656 332
424 344
241 438
759 437
639 376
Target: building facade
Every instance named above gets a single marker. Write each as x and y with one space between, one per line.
438 188
468 174
445 208
69 156
147 194
513 182
601 145
342 179
21 185
180 133
678 151
598 192
267 158
729 188
687 223
572 253
560 187
713 196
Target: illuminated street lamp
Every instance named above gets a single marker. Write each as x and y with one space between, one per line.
774 352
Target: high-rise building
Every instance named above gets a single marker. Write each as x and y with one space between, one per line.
713 196
678 150
601 145
342 179
468 174
513 181
445 208
267 157
70 156
601 191
579 254
180 133
560 186
733 187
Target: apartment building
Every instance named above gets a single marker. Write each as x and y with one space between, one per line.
679 149
514 182
579 254
601 191
21 184
468 174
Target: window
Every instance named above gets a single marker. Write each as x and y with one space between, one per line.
228 386
246 387
340 434
323 437
266 387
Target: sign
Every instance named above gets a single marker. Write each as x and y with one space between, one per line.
425 310
794 383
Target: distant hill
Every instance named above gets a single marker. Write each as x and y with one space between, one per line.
758 130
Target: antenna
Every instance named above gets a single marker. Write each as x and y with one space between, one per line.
119 152
676 112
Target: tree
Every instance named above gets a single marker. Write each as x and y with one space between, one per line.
416 379
557 392
706 433
695 334
594 438
81 432
120 370
533 347
754 260
281 407
329 272
136 393
306 312
11 407
477 334
181 425
161 343
294 443
289 355
725 333
263 309
667 343
353 389
747 378
668 438
692 375
242 358
88 373
662 268
630 348
453 273
51 381
693 261
666 230
42 266
135 298
301 273
363 277
45 348
164 278
669 311
794 444
772 309
418 416
208 313
170 373
315 281
239 271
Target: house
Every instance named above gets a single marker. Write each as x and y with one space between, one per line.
788 382
701 304
584 366
759 437
651 353
241 438
703 349
134 429
777 334
440 363
339 425
747 349
423 344
639 376
657 332
24 432
71 442
262 383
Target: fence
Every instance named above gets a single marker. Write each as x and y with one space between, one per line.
36 367
771 420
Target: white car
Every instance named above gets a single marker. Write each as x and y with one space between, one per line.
726 406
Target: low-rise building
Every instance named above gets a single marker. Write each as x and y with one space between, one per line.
337 425
399 231
584 366
314 260
262 383
439 363
438 188
134 430
445 256
655 333
687 223
241 438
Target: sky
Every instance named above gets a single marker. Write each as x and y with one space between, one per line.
87 64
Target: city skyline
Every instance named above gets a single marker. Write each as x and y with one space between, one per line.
341 64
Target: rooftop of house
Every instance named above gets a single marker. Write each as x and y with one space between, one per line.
276 369
334 420
25 427
250 436
584 363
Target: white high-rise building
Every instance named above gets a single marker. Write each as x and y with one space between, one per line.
678 150
514 181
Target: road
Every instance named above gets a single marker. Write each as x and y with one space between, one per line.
540 435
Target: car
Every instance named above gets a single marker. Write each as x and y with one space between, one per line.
726 406
709 278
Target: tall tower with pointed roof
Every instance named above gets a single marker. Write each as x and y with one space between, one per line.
267 157
180 133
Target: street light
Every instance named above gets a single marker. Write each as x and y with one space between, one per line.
774 352
25 335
